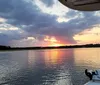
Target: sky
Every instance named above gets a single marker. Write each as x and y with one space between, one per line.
26 23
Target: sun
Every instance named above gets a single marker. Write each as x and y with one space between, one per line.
56 44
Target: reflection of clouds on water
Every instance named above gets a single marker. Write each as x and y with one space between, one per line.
31 58
6 65
39 67
49 68
58 60
85 58
63 78
10 64
90 57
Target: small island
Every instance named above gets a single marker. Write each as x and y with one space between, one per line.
50 47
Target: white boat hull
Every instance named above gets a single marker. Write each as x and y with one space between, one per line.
93 83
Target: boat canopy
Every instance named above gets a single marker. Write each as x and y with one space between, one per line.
82 5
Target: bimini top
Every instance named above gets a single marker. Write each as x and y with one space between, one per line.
82 5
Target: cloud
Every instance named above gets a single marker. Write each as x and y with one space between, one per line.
56 9
48 2
9 32
88 35
42 19
5 6
2 20
7 27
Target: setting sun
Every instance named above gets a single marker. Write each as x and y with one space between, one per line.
57 44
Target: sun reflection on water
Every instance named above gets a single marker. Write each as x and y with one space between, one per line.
53 57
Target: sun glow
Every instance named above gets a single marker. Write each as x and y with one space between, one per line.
52 41
88 36
56 44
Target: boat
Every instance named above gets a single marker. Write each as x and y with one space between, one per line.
82 5
94 77
92 83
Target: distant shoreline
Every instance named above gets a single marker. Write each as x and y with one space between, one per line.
2 48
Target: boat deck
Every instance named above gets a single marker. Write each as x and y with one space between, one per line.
93 83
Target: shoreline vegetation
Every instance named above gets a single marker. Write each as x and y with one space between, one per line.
50 47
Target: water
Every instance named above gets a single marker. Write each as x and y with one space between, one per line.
47 67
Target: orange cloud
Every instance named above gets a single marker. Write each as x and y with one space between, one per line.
88 36
50 39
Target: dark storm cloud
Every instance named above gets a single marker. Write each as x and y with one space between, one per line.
5 6
67 30
25 12
19 13
83 21
74 26
6 38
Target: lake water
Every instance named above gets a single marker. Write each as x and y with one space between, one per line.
47 67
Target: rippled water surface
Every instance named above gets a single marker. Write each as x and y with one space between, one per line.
47 67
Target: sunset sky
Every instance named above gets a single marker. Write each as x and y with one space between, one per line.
46 23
